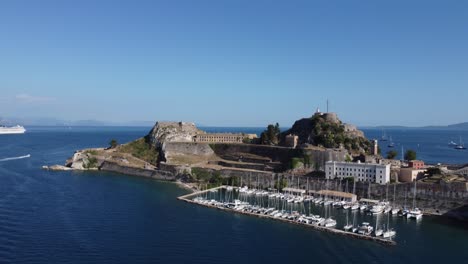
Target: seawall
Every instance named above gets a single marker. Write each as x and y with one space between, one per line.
155 174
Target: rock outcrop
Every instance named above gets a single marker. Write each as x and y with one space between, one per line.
164 132
174 140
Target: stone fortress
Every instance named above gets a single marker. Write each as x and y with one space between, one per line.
188 132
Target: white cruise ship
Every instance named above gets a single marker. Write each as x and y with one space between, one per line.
12 130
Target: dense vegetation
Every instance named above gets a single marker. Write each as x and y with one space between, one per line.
92 163
142 149
320 132
271 135
392 154
410 154
113 143
212 178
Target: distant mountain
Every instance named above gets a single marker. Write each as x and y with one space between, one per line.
463 126
459 126
41 121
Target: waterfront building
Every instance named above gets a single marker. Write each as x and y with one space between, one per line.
219 138
335 195
416 164
291 141
364 172
410 174
222 137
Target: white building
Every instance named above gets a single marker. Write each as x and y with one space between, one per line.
365 172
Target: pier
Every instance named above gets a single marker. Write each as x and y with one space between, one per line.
186 198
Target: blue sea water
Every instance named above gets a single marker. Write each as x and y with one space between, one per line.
99 217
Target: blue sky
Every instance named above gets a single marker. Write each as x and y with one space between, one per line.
237 63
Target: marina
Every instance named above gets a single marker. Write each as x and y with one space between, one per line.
289 208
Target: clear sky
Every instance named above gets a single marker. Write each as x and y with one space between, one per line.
235 63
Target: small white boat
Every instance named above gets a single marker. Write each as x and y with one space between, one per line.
387 209
329 222
378 232
355 206
389 234
365 229
376 209
414 214
347 227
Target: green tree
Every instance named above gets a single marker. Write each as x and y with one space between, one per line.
348 158
271 135
410 154
391 154
113 143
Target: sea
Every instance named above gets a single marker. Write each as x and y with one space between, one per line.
101 217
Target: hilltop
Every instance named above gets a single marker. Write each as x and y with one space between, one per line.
328 131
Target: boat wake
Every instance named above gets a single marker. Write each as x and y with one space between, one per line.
16 158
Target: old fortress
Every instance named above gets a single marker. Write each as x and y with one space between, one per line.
188 132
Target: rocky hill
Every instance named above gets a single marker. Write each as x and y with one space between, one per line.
164 132
327 130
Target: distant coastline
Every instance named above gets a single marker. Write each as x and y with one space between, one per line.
54 122
458 126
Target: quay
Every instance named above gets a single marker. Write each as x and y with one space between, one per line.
381 240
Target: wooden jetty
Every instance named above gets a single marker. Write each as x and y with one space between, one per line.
381 240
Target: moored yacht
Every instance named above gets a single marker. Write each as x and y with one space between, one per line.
377 209
414 214
378 232
329 222
365 229
389 233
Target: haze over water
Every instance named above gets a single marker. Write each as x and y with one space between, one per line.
98 217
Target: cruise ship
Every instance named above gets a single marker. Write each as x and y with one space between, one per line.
12 130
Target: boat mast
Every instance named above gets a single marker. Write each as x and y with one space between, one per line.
386 194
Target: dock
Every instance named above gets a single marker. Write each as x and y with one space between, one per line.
380 240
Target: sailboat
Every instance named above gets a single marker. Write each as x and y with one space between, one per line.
329 222
395 209
378 231
384 136
355 205
414 213
391 144
354 229
460 145
348 226
389 233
